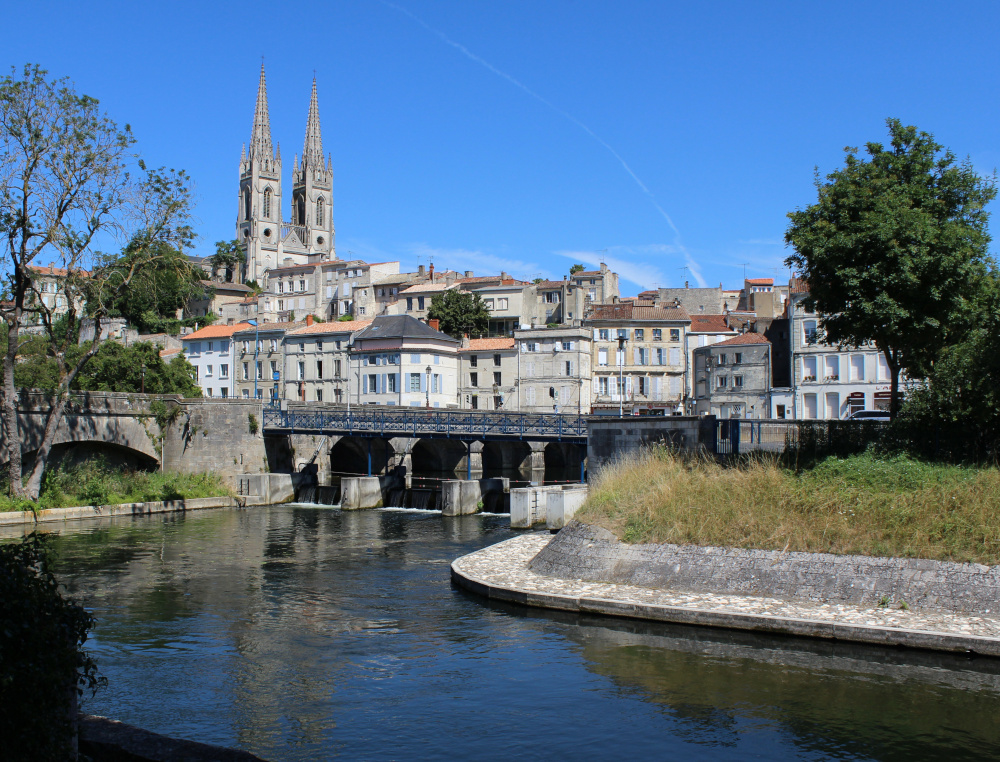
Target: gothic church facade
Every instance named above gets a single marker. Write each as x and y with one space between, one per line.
269 241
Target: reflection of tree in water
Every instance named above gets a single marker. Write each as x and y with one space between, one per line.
832 698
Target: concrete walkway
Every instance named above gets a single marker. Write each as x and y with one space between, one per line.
501 572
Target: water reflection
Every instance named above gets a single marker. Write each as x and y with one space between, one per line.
304 633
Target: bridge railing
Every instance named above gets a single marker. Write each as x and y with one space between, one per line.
422 422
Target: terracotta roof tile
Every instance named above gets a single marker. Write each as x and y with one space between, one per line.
710 324
334 326
482 345
59 272
760 281
215 332
170 352
744 338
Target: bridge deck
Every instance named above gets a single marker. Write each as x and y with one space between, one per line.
428 424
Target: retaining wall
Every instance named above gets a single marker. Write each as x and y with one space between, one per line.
612 438
12 518
593 554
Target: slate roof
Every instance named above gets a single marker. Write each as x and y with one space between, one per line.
401 327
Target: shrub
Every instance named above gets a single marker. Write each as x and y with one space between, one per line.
42 665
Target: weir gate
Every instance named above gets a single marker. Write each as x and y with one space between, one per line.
438 441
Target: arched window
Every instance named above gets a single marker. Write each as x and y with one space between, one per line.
319 213
246 203
267 203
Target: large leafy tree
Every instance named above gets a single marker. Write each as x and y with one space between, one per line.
894 251
229 258
460 312
68 177
164 283
114 368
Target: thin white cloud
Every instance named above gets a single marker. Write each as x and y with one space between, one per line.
636 270
695 269
527 90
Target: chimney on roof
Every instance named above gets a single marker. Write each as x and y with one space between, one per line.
431 272
309 319
468 273
465 341
421 269
433 322
504 275
687 284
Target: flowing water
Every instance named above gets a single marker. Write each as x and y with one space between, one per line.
307 633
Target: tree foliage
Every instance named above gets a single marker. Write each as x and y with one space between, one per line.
459 313
114 368
164 284
68 176
42 662
229 258
577 268
895 250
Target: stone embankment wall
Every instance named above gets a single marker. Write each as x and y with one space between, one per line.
593 554
611 438
216 435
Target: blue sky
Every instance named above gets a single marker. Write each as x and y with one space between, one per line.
528 135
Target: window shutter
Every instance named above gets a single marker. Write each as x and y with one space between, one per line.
675 356
595 385
657 388
635 356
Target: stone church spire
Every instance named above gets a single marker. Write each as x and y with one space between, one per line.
260 139
312 150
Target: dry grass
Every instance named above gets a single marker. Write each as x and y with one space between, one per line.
862 505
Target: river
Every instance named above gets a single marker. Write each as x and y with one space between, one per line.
302 633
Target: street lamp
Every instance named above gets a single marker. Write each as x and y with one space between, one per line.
621 375
428 385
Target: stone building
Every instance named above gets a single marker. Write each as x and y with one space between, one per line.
732 378
828 381
316 360
259 359
488 374
211 351
638 358
553 374
49 284
268 238
398 360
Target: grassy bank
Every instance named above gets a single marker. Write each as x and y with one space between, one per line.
94 483
863 505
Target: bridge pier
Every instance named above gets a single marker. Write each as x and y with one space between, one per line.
535 462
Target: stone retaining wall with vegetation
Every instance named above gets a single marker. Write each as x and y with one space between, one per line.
590 553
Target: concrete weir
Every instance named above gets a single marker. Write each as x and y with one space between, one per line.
553 505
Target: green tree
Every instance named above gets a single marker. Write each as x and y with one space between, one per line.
67 175
228 257
894 251
164 283
577 268
460 312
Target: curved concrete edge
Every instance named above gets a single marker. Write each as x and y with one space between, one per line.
882 636
13 518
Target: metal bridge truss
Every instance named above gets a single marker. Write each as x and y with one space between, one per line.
429 424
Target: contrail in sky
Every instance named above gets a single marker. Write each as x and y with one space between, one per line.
472 56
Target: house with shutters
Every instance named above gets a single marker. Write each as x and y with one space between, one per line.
553 370
732 378
316 360
259 359
487 374
828 381
638 359
398 360
211 351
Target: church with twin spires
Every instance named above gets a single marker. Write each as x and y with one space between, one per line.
268 240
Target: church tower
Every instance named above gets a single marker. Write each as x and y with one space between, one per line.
312 189
258 223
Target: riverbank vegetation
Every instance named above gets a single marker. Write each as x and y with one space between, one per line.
96 483
863 504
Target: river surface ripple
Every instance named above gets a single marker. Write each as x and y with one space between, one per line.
304 633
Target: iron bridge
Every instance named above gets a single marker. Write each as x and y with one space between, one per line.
428 424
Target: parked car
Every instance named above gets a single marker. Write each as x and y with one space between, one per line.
870 415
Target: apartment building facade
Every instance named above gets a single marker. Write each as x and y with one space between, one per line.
317 357
259 359
211 352
732 378
554 370
488 374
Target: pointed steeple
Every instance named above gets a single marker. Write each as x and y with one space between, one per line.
312 151
260 139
